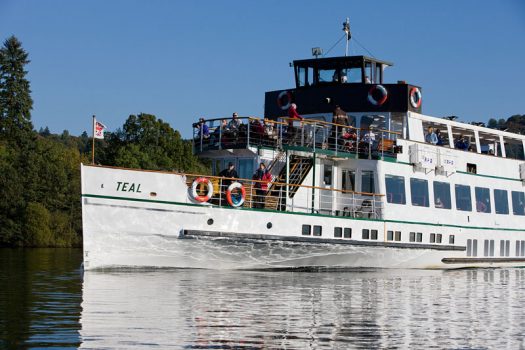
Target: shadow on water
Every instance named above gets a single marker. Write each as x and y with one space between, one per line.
40 298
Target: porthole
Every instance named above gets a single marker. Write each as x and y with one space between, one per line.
210 221
269 225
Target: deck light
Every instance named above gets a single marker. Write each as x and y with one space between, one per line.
317 51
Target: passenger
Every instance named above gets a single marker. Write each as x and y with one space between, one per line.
439 138
461 143
431 137
261 188
367 80
292 116
439 203
228 174
234 123
269 130
340 120
204 130
256 130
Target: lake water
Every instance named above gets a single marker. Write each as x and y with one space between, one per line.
46 302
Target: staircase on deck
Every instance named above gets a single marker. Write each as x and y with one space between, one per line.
299 168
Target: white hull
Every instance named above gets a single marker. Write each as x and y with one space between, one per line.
137 229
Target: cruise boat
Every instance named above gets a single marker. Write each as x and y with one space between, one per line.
359 189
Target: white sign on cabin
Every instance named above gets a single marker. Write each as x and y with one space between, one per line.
423 156
447 160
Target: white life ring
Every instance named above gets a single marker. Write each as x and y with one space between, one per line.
415 97
284 107
234 201
209 194
382 91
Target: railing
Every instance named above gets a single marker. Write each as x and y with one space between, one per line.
317 200
309 134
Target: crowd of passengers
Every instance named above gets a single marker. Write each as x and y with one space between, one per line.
343 136
461 143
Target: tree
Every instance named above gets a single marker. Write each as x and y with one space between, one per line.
15 93
493 123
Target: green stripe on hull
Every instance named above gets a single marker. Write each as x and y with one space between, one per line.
304 214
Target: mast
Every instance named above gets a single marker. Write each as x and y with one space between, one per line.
346 29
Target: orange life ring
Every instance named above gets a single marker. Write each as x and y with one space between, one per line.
197 182
415 97
375 90
234 202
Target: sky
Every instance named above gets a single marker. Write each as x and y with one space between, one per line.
180 60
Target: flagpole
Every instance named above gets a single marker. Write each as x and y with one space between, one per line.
93 143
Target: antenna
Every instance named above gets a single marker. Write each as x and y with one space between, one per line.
346 29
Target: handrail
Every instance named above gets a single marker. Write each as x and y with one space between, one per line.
283 184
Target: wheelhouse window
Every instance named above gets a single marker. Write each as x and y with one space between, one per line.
501 201
395 189
419 192
463 198
482 200
328 75
518 203
367 181
442 195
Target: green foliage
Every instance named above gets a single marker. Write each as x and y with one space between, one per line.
37 226
146 142
15 93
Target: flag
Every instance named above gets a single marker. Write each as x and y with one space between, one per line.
99 130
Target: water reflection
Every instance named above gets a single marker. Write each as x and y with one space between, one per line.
40 295
296 310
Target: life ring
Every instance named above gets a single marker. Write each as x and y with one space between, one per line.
415 97
284 107
234 201
197 182
383 95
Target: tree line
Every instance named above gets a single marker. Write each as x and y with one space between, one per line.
40 202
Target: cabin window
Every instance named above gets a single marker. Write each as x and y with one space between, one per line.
367 181
472 168
373 234
451 239
395 189
501 201
347 233
442 195
327 176
419 237
397 236
469 247
318 230
390 235
488 247
348 180
513 148
432 238
338 232
412 237
463 199
474 247
419 192
439 238
306 231
366 234
518 246
327 75
518 203
482 200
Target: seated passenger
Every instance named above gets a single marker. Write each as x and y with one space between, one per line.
431 137
461 143
204 131
234 123
439 138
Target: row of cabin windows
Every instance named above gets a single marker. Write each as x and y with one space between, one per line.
346 232
395 192
488 248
